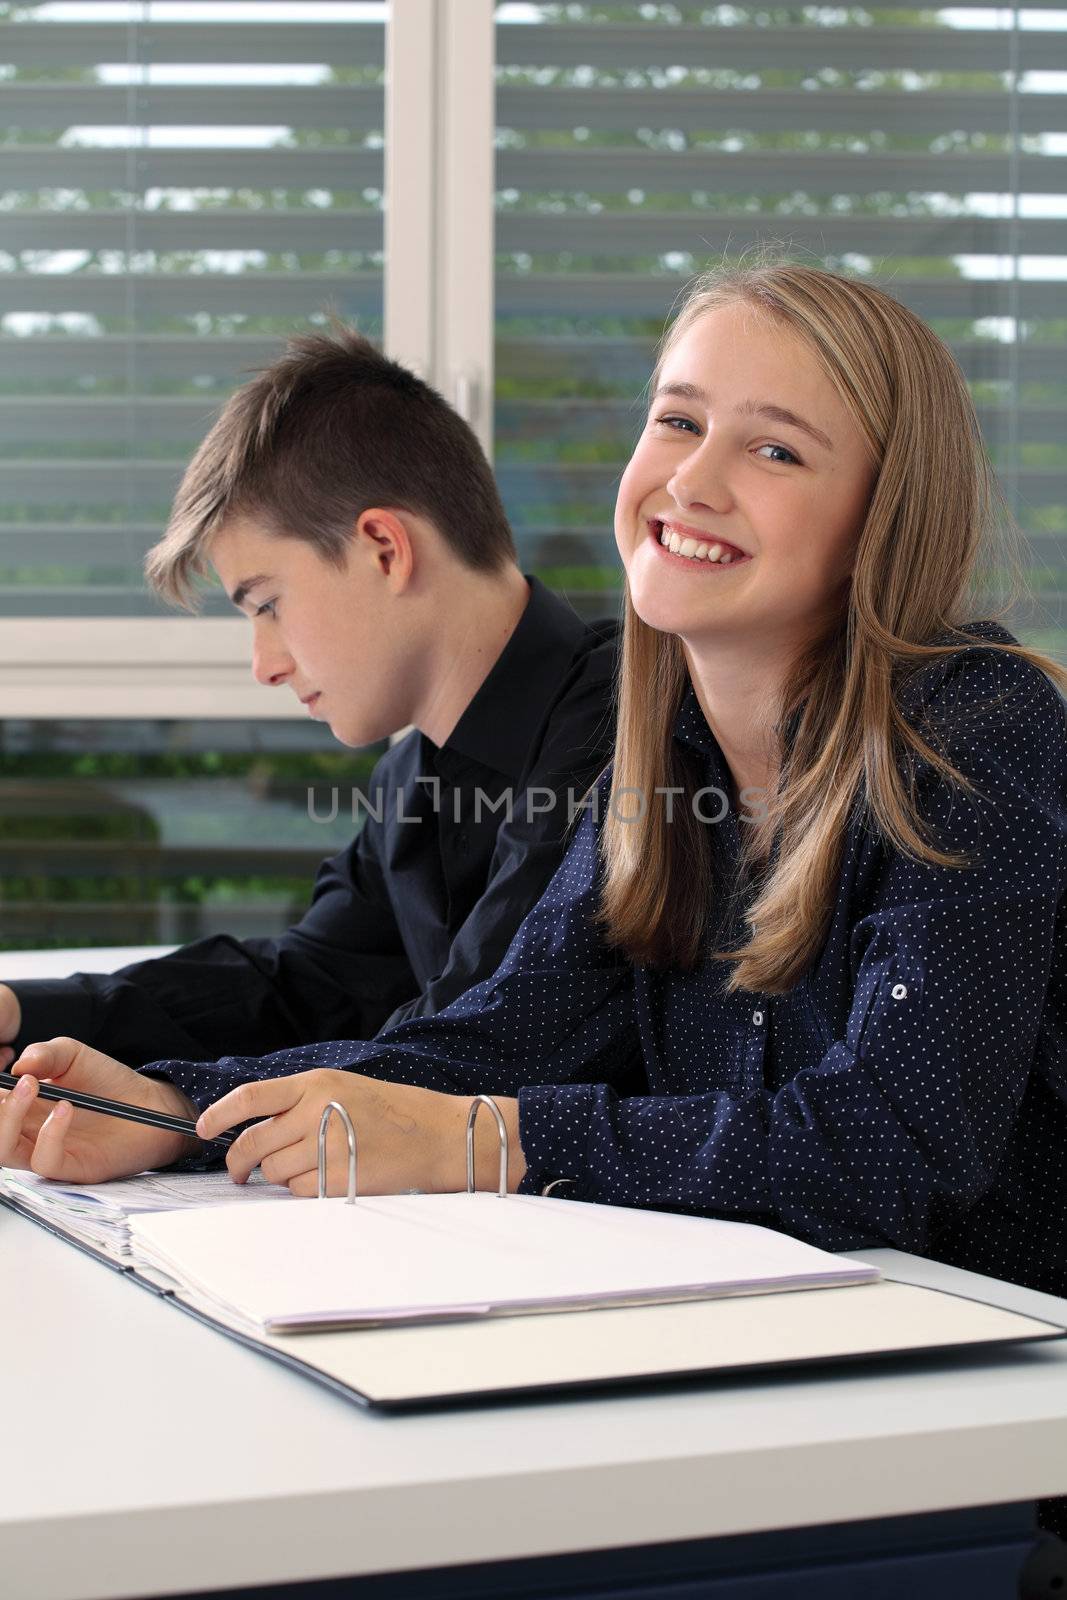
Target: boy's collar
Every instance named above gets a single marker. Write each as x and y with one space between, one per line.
497 729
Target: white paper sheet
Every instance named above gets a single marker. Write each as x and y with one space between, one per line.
325 1263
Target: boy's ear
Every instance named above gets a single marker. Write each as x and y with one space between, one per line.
383 538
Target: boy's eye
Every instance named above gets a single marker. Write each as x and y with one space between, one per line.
266 609
783 455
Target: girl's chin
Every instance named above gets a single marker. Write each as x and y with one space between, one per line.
657 618
668 614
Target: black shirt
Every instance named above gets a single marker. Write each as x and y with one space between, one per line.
419 907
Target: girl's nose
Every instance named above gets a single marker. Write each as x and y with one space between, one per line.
699 482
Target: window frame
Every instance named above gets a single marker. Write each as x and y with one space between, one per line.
439 314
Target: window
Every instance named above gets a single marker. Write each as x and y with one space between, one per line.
183 184
138 832
638 143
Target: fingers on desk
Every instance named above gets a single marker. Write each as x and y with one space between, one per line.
256 1145
50 1058
22 1118
265 1097
295 1160
50 1149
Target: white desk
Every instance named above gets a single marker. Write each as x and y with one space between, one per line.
145 1454
15 964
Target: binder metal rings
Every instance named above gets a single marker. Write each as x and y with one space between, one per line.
324 1123
476 1105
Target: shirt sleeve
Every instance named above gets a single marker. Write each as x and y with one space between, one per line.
339 972
559 1009
902 1123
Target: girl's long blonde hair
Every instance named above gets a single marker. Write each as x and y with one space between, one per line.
935 510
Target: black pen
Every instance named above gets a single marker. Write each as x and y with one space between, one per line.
118 1108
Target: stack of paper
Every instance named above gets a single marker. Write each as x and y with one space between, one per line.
99 1214
408 1258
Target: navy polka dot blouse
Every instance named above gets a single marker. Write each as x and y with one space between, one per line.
911 1090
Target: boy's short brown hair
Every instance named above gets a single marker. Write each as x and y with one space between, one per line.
327 431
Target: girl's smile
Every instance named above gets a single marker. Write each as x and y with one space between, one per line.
678 541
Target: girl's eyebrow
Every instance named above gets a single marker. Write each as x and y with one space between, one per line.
748 408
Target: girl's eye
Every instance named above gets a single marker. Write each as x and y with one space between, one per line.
783 455
266 609
677 423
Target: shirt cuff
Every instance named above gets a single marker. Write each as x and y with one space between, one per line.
185 1076
554 1123
43 1002
209 1156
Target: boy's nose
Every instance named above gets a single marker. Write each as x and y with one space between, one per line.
271 666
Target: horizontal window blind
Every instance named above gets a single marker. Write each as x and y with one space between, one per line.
637 144
182 184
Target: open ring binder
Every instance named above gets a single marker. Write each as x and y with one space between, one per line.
350 1133
324 1123
476 1105
421 1298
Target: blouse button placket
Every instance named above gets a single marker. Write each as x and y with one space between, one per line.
755 1051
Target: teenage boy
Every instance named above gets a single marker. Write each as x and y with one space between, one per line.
351 515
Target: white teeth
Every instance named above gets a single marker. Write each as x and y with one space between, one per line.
693 549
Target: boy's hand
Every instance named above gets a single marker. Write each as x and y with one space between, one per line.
406 1138
58 1140
10 1023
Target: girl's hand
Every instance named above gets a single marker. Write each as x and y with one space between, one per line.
58 1140
406 1138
